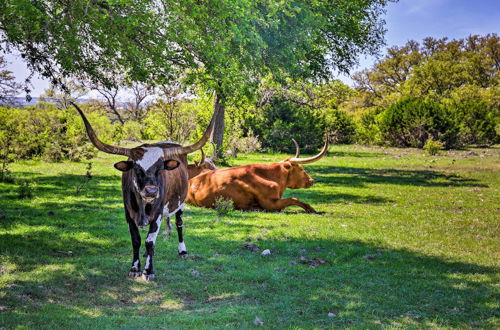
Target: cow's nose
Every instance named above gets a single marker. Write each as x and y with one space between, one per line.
151 191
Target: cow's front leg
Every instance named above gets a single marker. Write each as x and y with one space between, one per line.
135 270
154 229
179 224
274 204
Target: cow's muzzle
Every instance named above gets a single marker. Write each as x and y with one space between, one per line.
150 193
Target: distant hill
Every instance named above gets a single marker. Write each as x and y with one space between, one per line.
21 101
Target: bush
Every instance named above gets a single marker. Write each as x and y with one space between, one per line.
44 131
433 147
131 130
476 121
223 206
368 129
340 126
280 120
411 122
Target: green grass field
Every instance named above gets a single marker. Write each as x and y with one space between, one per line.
403 240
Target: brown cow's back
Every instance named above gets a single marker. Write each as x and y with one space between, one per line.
241 184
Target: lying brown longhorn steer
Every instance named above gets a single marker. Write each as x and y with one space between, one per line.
254 186
154 184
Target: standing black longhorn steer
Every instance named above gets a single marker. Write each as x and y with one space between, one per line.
154 184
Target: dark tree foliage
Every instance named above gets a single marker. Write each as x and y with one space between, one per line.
410 122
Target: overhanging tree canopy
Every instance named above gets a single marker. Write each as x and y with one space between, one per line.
227 46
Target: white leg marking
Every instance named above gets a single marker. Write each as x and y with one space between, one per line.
152 236
136 264
182 247
147 262
181 207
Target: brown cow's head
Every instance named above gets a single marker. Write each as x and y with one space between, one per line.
205 164
297 175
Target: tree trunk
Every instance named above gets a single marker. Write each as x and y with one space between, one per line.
218 131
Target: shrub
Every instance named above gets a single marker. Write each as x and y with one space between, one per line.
411 122
280 120
223 206
50 133
340 126
433 147
368 130
476 121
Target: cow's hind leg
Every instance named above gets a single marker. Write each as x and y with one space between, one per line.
179 225
154 229
168 227
135 270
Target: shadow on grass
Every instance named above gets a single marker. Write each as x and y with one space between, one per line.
227 285
359 177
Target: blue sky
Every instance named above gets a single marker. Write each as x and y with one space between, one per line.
406 20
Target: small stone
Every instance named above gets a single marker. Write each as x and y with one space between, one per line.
302 258
369 257
479 237
331 314
317 249
303 251
195 273
378 322
380 251
258 322
293 263
251 247
266 252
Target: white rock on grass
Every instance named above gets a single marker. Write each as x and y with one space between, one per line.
266 252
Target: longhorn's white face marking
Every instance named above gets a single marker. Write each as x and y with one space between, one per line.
150 157
152 236
182 247
147 262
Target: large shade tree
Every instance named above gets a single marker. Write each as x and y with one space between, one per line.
226 46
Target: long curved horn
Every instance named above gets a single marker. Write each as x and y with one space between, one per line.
98 143
297 149
204 138
311 159
202 160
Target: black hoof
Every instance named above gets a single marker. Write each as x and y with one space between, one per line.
183 254
134 273
148 277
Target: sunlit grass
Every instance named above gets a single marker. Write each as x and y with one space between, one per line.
408 240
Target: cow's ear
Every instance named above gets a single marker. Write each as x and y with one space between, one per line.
171 164
287 165
124 166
